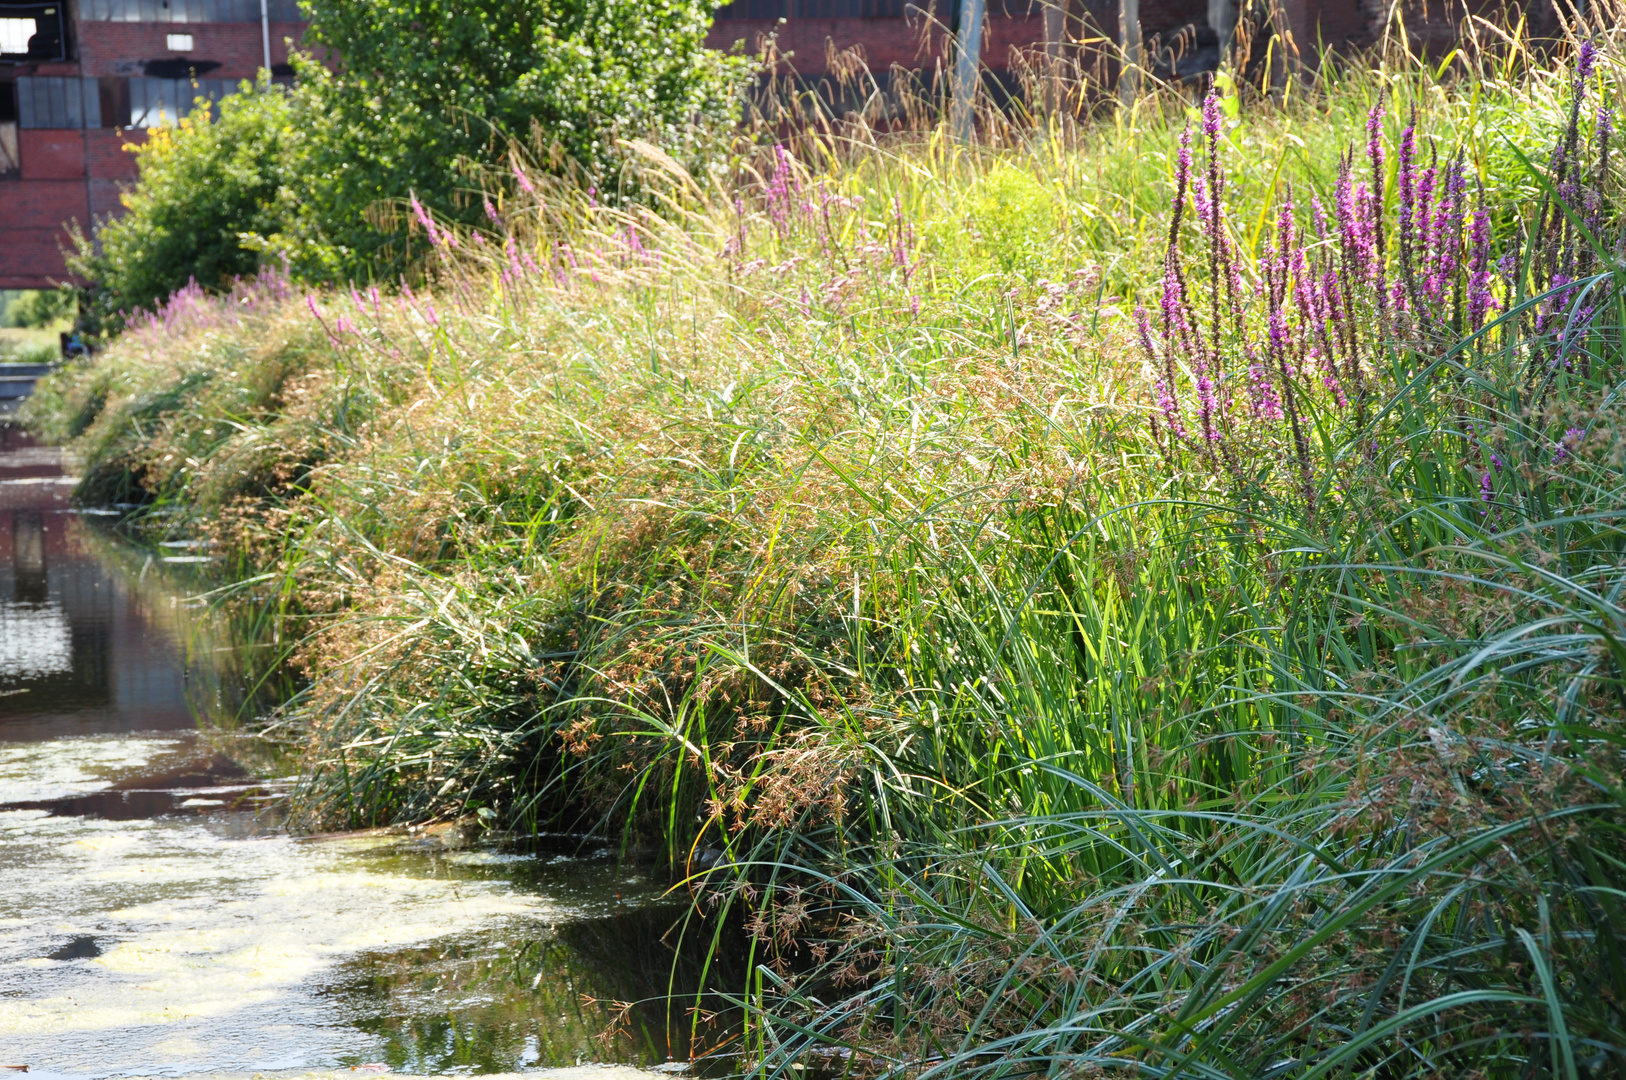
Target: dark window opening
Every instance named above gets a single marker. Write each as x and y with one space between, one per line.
115 101
181 67
10 159
33 32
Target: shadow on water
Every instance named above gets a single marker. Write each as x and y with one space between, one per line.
155 917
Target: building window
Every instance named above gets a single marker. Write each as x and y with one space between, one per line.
178 42
10 160
59 101
161 102
33 32
187 11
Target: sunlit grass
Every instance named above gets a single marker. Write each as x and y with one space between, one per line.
814 533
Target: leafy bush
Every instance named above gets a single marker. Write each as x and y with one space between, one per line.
38 308
210 190
426 92
427 99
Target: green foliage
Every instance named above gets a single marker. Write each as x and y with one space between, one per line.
427 100
38 308
429 92
1011 219
209 189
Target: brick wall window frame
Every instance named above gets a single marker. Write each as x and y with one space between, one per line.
188 11
49 39
58 101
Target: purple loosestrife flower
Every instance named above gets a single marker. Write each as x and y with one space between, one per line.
1408 201
1586 59
491 212
1487 487
1143 330
1206 405
524 181
425 220
1374 203
429 315
1182 167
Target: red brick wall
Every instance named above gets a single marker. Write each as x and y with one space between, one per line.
31 237
115 48
41 204
106 154
51 154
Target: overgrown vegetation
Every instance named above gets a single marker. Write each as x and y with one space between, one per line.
1144 596
422 102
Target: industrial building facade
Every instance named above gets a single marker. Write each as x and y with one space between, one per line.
81 80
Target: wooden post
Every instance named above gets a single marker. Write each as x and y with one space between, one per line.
1129 41
967 73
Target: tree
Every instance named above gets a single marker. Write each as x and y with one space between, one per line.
423 92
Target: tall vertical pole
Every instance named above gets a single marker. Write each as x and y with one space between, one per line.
1055 33
966 70
265 34
1129 39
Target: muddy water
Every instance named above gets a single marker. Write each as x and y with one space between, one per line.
154 918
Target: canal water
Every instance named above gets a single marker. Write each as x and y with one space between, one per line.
156 919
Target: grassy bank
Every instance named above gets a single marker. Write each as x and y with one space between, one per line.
1080 622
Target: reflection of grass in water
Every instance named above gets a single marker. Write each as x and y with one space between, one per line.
233 675
538 1002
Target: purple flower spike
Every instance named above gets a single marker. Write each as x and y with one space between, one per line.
1586 59
1212 117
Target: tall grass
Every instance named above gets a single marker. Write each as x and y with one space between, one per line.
1046 693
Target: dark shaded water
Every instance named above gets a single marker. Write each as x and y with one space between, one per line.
155 918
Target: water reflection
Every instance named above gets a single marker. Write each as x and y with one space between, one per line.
154 917
80 650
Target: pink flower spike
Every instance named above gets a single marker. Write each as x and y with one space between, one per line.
524 182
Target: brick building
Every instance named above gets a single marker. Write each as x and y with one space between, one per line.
82 79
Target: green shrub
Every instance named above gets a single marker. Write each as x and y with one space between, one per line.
38 308
210 189
428 91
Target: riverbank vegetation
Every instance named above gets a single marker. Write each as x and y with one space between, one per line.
1142 595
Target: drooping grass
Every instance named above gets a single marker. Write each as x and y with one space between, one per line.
816 534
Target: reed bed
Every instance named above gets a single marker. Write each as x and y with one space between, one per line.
1139 596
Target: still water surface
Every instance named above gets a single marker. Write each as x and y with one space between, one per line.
155 919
